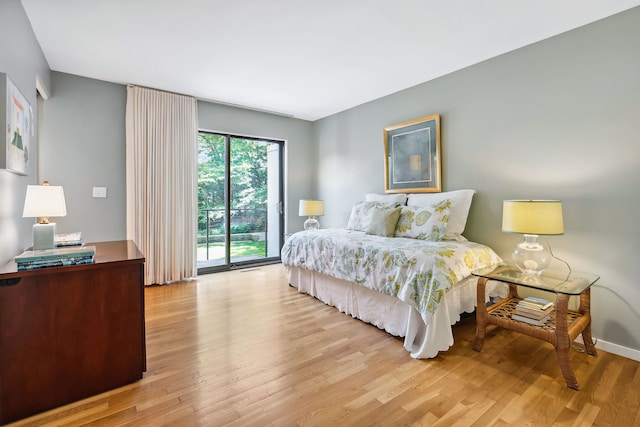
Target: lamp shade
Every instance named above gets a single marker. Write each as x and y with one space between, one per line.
532 217
44 201
311 208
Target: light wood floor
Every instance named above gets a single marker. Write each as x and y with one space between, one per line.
244 349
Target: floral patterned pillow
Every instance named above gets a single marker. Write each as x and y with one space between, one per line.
424 223
362 214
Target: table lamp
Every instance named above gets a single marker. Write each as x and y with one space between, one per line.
312 209
42 202
532 218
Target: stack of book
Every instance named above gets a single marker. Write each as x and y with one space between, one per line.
31 260
533 310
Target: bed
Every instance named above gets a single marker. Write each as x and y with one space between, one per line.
401 264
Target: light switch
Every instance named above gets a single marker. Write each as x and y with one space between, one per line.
100 192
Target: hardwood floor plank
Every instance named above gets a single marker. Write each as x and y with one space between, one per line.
494 413
243 348
585 417
83 417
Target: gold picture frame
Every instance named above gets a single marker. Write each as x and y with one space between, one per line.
412 161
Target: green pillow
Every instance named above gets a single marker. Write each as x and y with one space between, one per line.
361 214
383 221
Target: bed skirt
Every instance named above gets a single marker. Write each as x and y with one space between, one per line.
423 341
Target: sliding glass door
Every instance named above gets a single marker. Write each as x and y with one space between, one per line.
240 210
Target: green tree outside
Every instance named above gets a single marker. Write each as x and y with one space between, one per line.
248 177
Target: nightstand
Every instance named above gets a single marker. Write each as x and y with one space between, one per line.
563 326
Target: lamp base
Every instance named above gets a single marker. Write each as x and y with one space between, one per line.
530 256
312 223
43 235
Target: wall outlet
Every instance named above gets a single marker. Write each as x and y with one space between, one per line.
100 192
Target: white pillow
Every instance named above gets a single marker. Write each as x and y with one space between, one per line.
424 223
400 198
460 204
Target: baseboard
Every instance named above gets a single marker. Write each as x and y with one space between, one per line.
627 352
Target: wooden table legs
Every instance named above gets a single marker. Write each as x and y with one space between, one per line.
562 343
481 315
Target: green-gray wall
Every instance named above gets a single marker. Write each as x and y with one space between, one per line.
555 120
22 60
83 146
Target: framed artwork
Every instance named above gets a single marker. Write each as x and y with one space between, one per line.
412 156
17 123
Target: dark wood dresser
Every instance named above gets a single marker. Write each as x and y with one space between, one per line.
70 332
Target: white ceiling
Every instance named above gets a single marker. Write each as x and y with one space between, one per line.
303 58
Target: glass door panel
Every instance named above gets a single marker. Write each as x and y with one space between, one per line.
245 224
212 183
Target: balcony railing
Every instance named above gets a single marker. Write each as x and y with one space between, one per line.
246 225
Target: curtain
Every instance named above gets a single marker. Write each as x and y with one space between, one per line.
162 173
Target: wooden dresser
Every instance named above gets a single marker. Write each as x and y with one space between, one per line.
70 332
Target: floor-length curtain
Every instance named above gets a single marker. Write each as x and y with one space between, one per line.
162 178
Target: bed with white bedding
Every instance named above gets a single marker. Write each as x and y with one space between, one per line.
411 280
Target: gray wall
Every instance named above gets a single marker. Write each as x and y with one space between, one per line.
22 60
557 119
83 146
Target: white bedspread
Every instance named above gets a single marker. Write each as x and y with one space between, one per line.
417 272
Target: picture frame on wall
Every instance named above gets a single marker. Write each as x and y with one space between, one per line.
16 119
412 156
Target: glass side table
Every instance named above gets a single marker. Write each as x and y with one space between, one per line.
563 326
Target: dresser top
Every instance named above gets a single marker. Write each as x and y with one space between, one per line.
120 251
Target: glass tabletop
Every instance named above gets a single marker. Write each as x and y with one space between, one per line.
552 280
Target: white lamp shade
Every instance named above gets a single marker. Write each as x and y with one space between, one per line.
44 201
532 217
311 208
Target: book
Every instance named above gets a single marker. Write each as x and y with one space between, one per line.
54 263
535 303
533 313
67 244
55 254
50 261
68 239
537 322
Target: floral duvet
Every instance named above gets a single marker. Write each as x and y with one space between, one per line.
418 272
